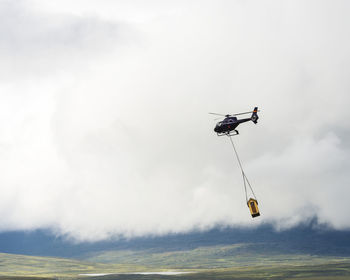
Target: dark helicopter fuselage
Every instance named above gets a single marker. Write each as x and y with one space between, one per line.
229 124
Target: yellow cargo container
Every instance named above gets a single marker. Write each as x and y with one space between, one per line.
253 207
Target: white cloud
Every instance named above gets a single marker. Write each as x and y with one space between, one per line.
104 125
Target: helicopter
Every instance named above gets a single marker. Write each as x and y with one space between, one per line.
229 124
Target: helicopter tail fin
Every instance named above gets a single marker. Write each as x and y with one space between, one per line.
255 116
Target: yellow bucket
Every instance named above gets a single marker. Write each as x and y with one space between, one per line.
253 207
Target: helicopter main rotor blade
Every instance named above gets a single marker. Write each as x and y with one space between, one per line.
217 114
244 113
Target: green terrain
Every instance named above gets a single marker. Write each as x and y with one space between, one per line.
239 261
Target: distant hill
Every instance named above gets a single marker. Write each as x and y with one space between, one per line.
239 261
19 266
308 238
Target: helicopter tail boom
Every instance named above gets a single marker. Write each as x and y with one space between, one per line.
255 116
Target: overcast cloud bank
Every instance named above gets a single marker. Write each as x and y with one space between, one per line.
104 128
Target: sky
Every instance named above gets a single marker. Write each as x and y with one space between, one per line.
104 124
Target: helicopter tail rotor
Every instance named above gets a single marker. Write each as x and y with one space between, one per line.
255 116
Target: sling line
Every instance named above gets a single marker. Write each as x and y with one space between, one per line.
245 179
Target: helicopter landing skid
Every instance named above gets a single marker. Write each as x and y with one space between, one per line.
231 133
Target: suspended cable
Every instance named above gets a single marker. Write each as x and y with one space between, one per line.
245 179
